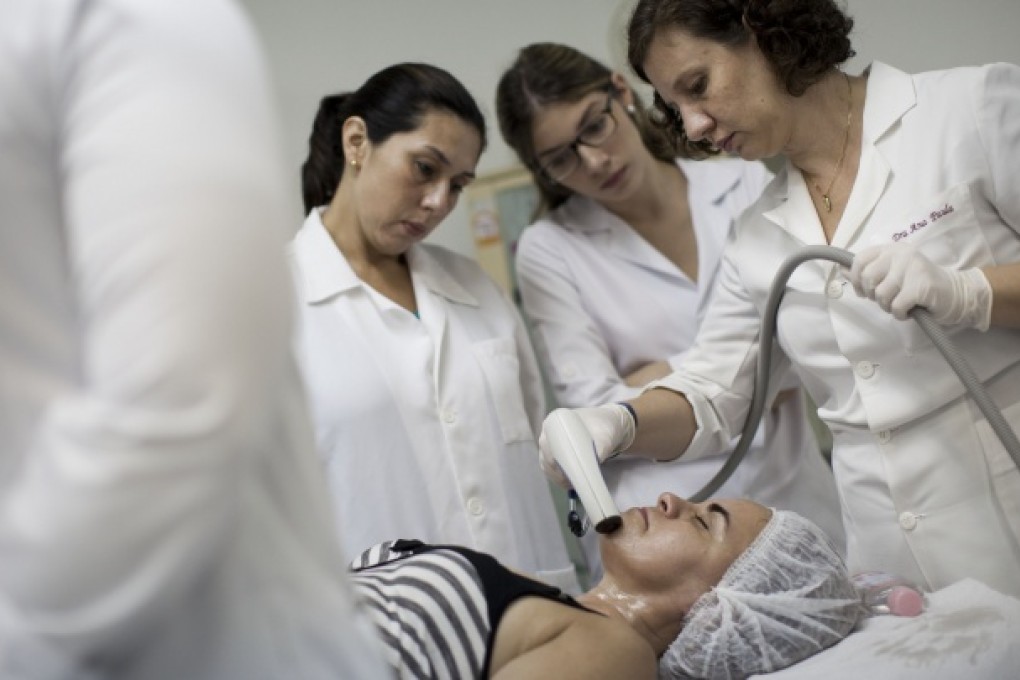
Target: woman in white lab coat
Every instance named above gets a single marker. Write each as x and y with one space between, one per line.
425 391
617 273
917 176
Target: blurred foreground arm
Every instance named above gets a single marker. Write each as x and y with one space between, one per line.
144 342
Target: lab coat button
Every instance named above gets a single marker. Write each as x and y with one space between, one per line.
834 289
908 521
865 369
449 415
475 506
884 436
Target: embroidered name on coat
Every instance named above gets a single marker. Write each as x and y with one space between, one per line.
933 216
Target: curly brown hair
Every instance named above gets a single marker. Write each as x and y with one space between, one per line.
800 39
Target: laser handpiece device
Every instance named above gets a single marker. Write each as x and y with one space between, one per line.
574 451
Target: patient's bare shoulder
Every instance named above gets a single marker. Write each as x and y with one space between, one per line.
543 638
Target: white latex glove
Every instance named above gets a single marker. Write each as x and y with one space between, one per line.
898 278
611 428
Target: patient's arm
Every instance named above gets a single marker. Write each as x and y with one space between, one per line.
540 638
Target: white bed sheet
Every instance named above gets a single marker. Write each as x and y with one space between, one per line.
968 631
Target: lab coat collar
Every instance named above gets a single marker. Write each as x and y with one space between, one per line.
427 270
325 272
611 234
323 269
788 204
580 213
715 179
584 215
890 95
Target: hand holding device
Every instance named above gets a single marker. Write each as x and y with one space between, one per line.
574 443
610 427
899 277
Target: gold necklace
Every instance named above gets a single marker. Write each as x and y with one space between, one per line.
842 155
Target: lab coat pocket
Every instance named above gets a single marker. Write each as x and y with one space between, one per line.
944 228
498 360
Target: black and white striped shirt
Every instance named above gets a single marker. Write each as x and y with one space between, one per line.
437 608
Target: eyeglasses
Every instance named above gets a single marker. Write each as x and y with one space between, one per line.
558 164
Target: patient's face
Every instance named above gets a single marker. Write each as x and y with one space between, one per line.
680 546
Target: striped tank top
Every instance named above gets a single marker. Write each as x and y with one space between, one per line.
437 608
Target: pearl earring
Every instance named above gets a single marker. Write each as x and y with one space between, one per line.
631 111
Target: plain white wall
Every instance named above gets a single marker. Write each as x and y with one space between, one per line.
322 46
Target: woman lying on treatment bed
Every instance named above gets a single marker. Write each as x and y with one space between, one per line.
720 589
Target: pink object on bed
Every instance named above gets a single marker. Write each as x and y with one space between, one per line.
967 630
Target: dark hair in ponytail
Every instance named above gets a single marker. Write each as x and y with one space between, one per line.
321 171
392 101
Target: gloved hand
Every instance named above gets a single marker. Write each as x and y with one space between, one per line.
611 428
898 278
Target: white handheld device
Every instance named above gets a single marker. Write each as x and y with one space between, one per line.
574 451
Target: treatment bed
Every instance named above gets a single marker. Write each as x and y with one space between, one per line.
968 631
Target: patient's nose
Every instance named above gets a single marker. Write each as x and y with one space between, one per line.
671 505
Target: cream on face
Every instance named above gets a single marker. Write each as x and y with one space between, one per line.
676 542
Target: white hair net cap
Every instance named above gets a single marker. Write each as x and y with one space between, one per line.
786 597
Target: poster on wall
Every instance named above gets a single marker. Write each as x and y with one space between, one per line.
500 205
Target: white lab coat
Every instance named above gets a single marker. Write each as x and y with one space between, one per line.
927 490
602 302
162 514
426 427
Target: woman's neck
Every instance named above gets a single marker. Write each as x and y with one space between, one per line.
641 613
341 223
655 198
827 150
342 226
660 212
821 132
388 274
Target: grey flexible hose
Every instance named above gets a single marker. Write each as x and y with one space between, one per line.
920 315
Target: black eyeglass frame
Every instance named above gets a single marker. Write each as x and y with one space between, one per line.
611 94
